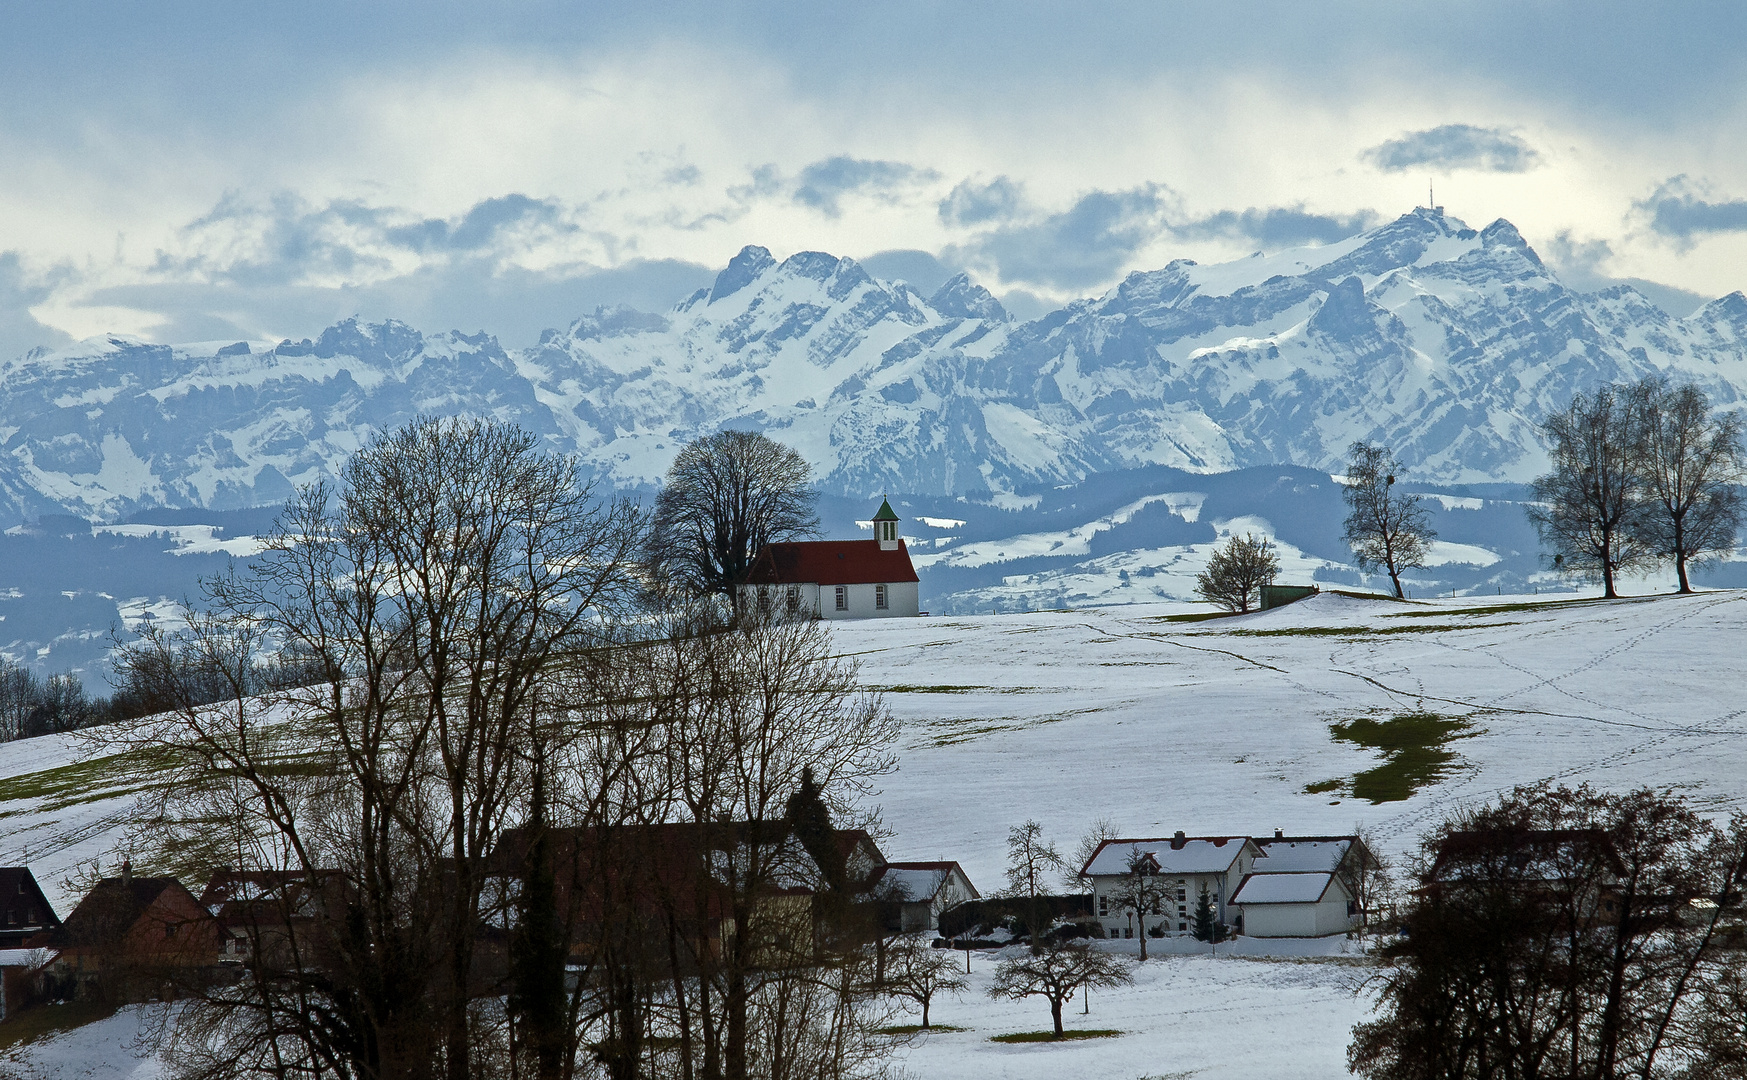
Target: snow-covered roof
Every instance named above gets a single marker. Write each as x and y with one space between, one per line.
1299 855
29 958
913 884
1197 855
1282 889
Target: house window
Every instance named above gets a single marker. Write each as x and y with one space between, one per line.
11 917
842 598
1115 933
794 599
1182 926
880 597
764 600
1103 905
1128 931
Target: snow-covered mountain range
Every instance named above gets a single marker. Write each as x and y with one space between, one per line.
1448 343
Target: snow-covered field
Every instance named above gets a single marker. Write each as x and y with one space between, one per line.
1209 727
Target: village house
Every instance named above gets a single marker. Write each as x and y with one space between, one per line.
839 579
921 891
1186 865
28 912
134 938
1266 887
1304 886
261 913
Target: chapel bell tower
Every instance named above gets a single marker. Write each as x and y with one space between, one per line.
885 525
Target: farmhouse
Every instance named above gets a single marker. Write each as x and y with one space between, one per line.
839 579
132 938
27 911
922 890
1187 865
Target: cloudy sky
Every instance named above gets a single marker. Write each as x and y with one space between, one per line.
197 171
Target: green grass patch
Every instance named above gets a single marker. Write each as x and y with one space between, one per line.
915 1029
92 780
1049 1036
1413 749
1195 616
41 1021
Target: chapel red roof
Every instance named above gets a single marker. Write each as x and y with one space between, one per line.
831 562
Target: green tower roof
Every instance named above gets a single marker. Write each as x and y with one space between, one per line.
886 513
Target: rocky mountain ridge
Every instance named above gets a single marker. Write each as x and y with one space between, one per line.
1447 342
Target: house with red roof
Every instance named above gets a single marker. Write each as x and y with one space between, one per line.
839 579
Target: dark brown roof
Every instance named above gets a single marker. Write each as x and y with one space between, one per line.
831 562
111 909
24 910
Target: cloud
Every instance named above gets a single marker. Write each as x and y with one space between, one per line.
821 184
1455 146
1277 226
1581 265
1080 247
922 270
481 225
1684 211
971 203
19 330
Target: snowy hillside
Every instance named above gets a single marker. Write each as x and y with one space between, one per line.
1292 719
1446 342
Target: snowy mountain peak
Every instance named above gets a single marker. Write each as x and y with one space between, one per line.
1449 343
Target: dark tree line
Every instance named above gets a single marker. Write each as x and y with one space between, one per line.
1641 473
1564 933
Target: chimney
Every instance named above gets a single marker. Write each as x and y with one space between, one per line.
1178 841
1278 834
127 873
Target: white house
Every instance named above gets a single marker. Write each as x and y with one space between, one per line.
923 890
1295 905
1187 864
839 579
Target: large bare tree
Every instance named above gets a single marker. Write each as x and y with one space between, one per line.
421 608
1386 528
726 496
1691 462
1590 507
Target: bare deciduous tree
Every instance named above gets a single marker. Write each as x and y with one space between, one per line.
725 497
919 973
1691 461
1236 573
1141 893
1386 528
1031 860
1590 508
1055 971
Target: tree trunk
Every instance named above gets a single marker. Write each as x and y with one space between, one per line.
1680 569
1055 1013
1143 941
1607 581
734 1052
1395 579
925 1012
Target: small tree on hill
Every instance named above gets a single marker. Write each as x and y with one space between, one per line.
1236 573
919 973
1591 508
1055 972
1031 860
1690 462
1387 529
725 497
